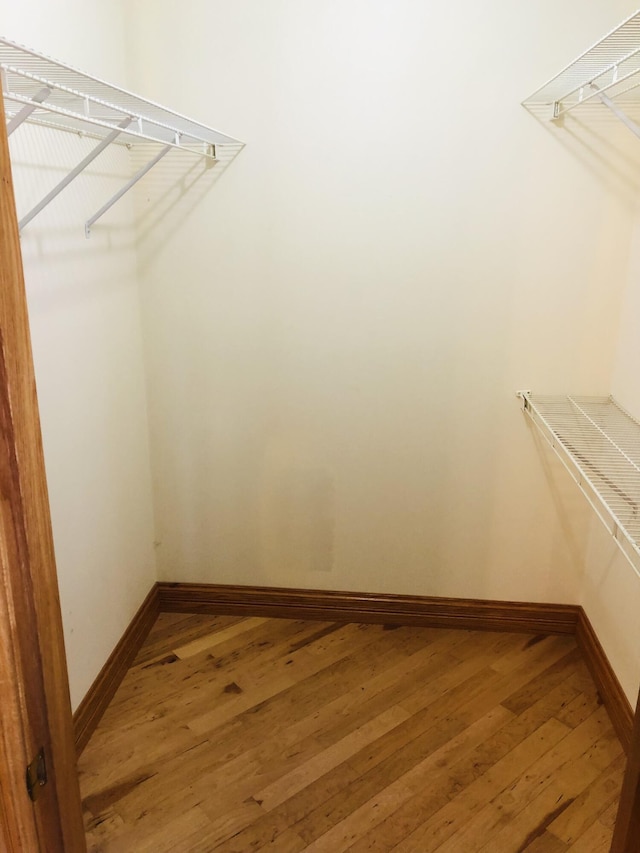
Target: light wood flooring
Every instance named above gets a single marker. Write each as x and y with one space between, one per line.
234 735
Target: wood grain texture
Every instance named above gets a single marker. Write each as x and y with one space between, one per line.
626 838
94 704
369 608
18 830
37 671
612 694
239 734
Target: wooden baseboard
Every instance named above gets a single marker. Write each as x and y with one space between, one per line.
368 607
94 704
609 687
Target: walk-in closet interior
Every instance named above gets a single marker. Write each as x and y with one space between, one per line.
360 337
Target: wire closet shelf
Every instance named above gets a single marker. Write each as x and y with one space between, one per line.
608 74
599 445
42 91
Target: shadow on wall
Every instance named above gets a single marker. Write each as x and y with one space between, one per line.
571 509
177 186
42 158
602 144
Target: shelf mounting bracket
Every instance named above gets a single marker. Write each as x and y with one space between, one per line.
125 189
615 109
75 172
26 111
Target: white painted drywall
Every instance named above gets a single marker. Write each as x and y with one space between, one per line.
85 323
626 376
335 331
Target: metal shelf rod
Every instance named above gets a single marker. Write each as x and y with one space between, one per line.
91 156
26 111
615 109
125 189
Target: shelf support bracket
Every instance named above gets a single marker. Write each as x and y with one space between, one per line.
74 172
615 109
125 189
26 111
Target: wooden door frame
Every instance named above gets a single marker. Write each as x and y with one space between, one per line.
35 709
626 835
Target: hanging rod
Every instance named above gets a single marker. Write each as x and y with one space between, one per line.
42 91
598 443
607 74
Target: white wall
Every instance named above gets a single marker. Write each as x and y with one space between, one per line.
334 331
85 324
626 378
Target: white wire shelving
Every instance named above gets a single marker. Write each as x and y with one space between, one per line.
598 443
605 76
45 92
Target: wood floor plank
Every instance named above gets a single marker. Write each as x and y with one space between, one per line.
202 644
549 788
325 803
608 816
429 785
232 735
596 839
545 843
261 644
165 701
365 820
246 742
283 674
451 817
538 687
429 798
188 627
578 710
173 837
284 787
192 761
589 806
223 824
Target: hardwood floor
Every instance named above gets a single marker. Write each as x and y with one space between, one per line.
241 734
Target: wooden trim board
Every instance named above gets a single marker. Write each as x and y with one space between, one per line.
101 692
626 835
368 607
606 681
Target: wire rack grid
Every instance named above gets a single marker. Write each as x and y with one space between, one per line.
65 98
608 71
45 92
599 444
